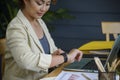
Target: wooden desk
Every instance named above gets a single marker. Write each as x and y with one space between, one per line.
56 71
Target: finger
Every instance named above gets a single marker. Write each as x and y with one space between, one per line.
60 51
80 56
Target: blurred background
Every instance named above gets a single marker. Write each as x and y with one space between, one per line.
71 22
86 26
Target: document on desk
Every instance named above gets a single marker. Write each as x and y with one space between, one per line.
49 78
66 75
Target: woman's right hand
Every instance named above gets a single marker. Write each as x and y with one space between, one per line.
74 55
58 52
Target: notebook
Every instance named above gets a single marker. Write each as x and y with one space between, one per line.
88 64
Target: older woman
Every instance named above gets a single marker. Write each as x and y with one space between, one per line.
30 48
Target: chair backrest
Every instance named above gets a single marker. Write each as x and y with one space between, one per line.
2 46
111 28
2 53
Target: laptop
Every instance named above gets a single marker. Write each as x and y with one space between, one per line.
88 64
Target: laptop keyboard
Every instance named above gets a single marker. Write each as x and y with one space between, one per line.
85 64
92 65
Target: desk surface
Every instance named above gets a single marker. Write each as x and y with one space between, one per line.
56 71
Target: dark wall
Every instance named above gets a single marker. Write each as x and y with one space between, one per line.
72 33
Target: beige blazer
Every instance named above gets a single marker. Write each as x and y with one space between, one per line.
25 57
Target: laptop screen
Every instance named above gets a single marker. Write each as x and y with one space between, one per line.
114 53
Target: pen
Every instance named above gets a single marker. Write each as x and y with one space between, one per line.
99 64
80 70
85 76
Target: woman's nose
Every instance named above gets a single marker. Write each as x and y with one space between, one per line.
43 8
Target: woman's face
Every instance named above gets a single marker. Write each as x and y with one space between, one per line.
36 8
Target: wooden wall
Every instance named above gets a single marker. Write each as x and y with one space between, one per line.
72 33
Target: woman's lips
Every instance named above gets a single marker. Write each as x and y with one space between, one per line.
40 14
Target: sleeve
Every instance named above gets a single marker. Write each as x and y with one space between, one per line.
17 42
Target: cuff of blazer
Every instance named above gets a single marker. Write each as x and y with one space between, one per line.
45 61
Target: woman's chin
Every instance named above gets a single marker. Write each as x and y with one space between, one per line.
38 17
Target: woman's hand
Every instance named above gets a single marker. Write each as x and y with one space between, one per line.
74 55
58 52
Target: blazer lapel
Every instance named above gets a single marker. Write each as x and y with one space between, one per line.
30 29
43 25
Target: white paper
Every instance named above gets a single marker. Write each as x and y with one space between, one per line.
64 75
49 78
67 75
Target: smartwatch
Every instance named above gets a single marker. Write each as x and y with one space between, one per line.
65 57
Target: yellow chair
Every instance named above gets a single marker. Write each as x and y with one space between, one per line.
107 29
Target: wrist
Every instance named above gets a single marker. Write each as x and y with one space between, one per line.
65 57
70 58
